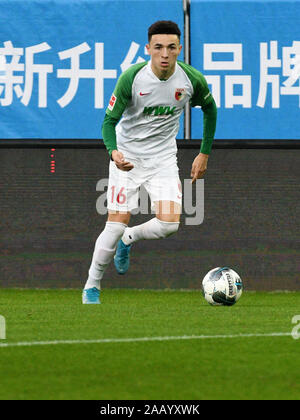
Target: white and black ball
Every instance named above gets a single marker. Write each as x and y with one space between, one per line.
222 286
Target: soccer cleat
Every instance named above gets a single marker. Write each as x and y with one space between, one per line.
91 296
121 259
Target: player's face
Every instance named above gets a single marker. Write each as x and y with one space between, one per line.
164 50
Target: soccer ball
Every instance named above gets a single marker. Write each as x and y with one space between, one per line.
222 286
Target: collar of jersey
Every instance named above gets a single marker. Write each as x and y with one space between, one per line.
161 80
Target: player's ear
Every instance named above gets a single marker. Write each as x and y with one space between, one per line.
148 48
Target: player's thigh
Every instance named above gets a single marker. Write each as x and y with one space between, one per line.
118 216
165 192
168 211
122 194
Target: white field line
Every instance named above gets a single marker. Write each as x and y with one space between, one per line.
138 339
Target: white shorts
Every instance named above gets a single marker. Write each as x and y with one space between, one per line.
159 176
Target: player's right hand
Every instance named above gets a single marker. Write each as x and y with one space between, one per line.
120 162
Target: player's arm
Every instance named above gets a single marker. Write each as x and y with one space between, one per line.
109 133
209 126
110 141
204 98
199 165
114 111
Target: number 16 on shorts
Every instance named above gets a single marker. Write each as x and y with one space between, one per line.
119 196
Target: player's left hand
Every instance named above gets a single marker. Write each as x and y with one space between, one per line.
199 167
120 161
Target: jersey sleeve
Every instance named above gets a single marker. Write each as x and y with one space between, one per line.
201 96
109 133
117 104
123 91
209 126
120 97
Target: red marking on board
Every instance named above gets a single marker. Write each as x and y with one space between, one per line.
52 162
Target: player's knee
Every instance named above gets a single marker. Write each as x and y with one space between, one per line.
111 234
118 217
115 228
168 228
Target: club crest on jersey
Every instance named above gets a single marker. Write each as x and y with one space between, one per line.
179 94
112 102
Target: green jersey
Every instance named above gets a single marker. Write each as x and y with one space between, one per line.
149 110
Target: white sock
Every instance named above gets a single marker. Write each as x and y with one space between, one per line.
153 229
104 251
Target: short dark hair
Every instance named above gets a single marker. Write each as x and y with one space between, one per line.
163 27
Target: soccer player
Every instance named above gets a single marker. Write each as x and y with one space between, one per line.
149 97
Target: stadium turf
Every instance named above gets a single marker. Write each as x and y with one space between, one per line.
231 356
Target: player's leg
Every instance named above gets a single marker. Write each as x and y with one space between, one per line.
104 251
164 224
164 187
119 203
166 198
106 245
168 211
121 254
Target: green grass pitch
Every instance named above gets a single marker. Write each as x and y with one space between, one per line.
232 357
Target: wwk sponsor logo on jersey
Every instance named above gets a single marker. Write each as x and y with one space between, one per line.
159 110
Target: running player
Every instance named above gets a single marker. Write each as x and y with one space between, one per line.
150 98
